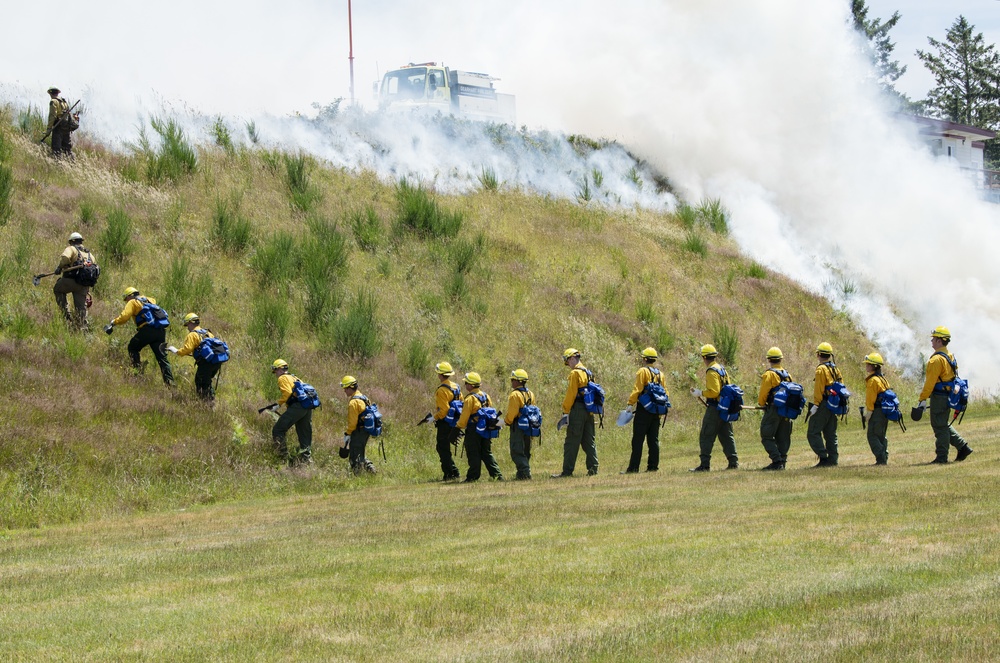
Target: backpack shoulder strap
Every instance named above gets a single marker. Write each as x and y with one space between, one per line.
528 398
654 375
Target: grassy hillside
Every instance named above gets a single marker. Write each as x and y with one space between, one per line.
338 272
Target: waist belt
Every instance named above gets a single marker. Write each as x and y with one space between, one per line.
943 387
712 402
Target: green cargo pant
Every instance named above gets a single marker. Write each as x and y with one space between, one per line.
580 432
520 452
775 435
479 452
154 338
877 440
67 286
444 436
203 376
944 433
712 428
823 426
645 429
301 418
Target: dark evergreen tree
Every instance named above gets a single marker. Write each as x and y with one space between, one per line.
876 31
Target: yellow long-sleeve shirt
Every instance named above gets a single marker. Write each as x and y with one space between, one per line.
874 385
517 399
355 407
193 340
577 380
443 396
132 308
938 370
768 381
713 381
286 383
472 405
825 376
643 377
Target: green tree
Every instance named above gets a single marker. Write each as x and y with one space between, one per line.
966 70
876 31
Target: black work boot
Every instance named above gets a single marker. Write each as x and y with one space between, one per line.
773 466
733 465
700 468
963 453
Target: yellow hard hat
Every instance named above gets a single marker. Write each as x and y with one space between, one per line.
519 374
570 352
874 358
444 368
473 379
708 350
348 381
824 348
650 353
941 332
129 292
191 317
279 363
775 353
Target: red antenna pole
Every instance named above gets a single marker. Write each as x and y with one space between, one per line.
350 39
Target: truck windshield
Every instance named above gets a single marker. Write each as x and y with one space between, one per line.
407 83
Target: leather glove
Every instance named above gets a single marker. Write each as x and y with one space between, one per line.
347 439
108 329
426 420
868 414
171 348
696 393
630 408
922 404
562 422
813 410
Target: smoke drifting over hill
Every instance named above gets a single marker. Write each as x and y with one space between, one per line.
766 105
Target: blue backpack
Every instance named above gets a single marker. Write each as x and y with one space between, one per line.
151 315
370 418
788 396
305 395
956 388
654 397
454 407
837 395
487 419
529 419
211 350
888 402
730 402
593 395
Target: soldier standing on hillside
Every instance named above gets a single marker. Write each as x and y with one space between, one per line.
580 428
520 444
822 421
645 425
875 384
940 375
61 143
446 432
478 449
712 424
149 330
75 280
775 430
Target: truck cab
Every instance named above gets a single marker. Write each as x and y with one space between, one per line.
429 87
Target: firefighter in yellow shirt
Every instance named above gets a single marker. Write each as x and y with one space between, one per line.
938 382
580 428
356 437
446 433
205 372
520 443
875 386
71 262
775 430
478 449
150 330
645 425
822 426
713 426
295 414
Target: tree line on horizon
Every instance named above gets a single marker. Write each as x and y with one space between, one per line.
966 73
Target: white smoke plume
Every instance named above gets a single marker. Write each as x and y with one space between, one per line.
767 104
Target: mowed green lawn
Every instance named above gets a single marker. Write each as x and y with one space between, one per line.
850 563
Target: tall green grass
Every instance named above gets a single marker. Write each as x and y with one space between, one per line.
175 157
221 136
725 338
714 215
183 290
270 322
367 228
324 257
302 192
116 241
6 180
276 260
488 180
231 231
355 333
420 213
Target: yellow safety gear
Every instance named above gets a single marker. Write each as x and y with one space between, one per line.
129 292
519 374
279 363
191 317
650 353
874 358
824 348
775 353
444 368
348 381
570 352
941 332
473 379
708 350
